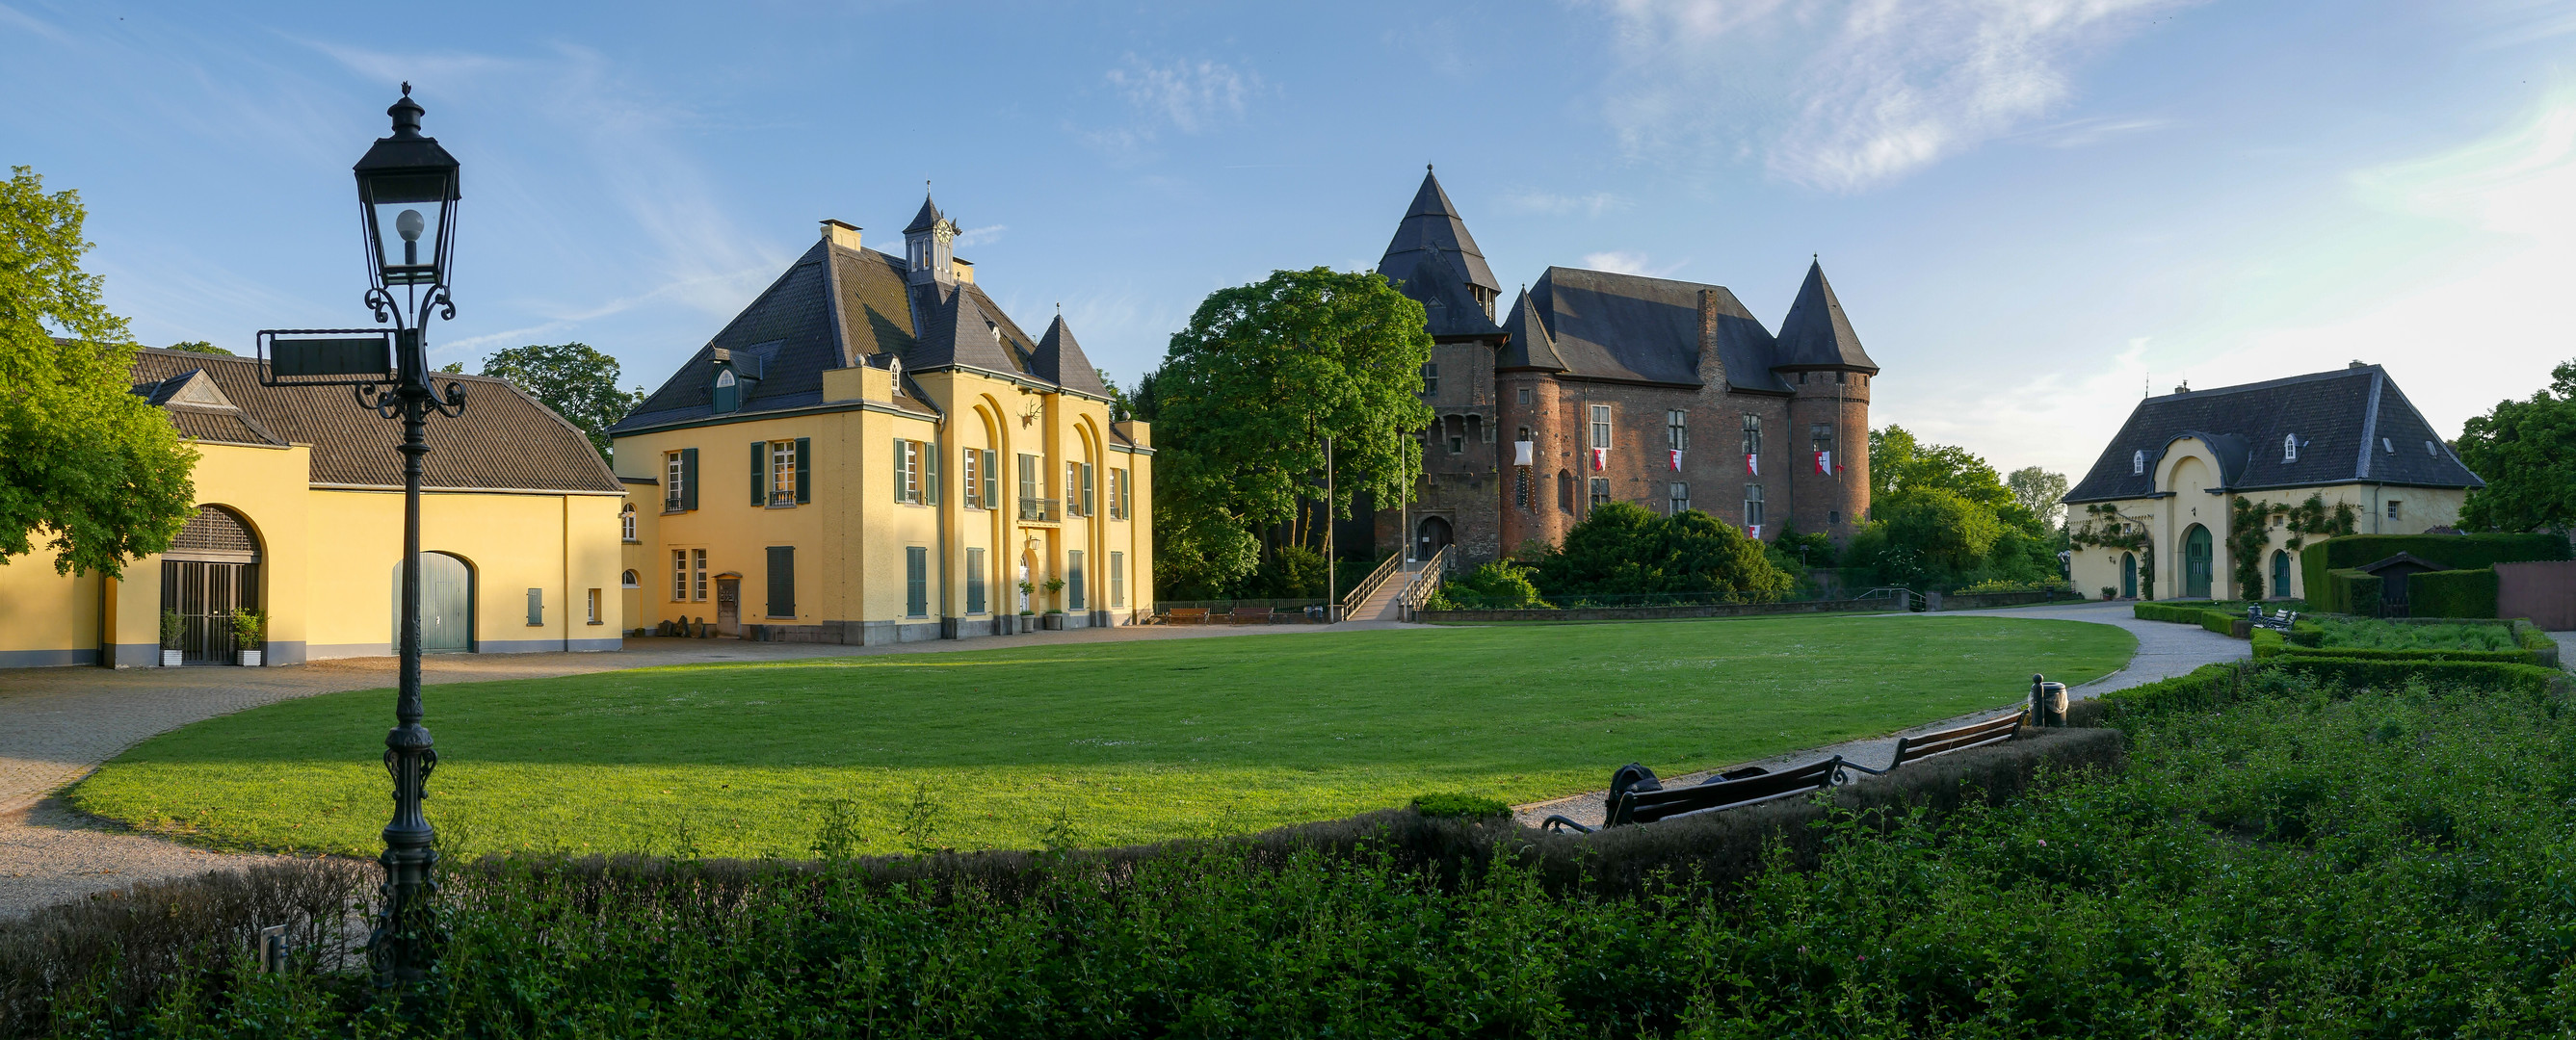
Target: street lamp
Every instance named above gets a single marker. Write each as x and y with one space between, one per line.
407 192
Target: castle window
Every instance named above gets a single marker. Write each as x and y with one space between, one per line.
1833 516
1677 429
1753 435
1564 491
1524 395
1600 426
1681 497
1457 434
1839 377
1430 378
2290 447
1521 487
1600 492
2138 464
1822 436
1753 507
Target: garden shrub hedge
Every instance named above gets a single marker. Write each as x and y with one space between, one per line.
2347 591
2464 551
2459 594
2185 612
2384 673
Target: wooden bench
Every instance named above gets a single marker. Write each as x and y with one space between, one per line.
1186 616
1637 797
1975 734
1252 615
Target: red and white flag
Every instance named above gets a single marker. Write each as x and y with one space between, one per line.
1600 458
1677 460
1755 530
1825 462
1753 464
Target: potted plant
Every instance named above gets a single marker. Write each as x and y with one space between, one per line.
1055 615
173 629
2110 593
246 626
1028 617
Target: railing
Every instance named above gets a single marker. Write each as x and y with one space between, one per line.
1046 510
1899 598
1425 583
1368 586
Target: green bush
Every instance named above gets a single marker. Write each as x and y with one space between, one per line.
1499 585
2268 642
1453 806
2464 551
2186 612
2347 591
1621 549
2463 594
2376 654
2333 633
2385 674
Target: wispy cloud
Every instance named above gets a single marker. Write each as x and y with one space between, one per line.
1848 95
2085 133
1591 205
1190 95
1621 261
981 235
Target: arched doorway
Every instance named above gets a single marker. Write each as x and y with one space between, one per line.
2280 574
2196 562
1431 536
210 570
446 604
2128 575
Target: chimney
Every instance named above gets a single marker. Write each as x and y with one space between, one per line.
961 270
1712 368
841 234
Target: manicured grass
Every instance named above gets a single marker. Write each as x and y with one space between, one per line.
1128 742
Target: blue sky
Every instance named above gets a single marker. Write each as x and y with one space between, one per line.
2031 209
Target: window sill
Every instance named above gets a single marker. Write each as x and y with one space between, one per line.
595 624
633 541
781 505
673 512
778 617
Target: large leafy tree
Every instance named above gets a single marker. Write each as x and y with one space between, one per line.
2038 491
1250 390
1620 548
578 382
1944 515
2526 450
87 469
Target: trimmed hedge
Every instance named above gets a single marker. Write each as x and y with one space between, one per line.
2460 594
2464 551
2347 591
2358 672
2374 654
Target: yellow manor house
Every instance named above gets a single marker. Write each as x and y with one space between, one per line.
914 465
300 519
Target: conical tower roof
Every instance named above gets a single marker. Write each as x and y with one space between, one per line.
1060 360
1531 346
928 218
1432 229
1816 334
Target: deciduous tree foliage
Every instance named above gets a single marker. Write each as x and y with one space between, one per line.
1942 515
2038 490
1623 549
578 382
2526 450
87 469
1250 390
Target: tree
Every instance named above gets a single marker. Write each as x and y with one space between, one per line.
1250 390
2526 451
2039 490
579 383
199 346
1623 549
95 472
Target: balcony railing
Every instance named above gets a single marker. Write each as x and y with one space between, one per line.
1044 510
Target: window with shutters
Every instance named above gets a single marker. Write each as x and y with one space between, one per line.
1087 501
1681 498
782 581
1752 505
1073 489
1029 479
916 581
1600 492
1117 580
1600 426
782 473
675 478
974 581
992 481
974 485
1073 581
907 485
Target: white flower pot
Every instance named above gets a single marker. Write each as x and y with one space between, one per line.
249 658
170 658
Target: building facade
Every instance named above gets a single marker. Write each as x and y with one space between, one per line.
2173 477
301 519
912 462
1595 387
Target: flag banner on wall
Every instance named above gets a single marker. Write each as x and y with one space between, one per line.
1521 452
1825 462
1753 464
1754 530
1677 460
1600 458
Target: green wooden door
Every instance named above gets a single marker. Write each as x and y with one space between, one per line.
2129 575
2196 558
446 604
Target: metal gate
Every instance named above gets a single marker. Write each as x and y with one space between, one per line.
210 570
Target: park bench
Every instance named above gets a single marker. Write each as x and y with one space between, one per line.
1975 734
1186 616
1252 615
1637 797
2280 619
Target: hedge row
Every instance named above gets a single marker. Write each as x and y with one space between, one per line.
2358 672
2346 591
2456 594
2279 649
2215 686
2464 551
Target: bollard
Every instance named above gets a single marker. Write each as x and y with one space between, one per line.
272 949
2047 702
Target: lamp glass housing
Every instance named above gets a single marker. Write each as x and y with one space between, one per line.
409 215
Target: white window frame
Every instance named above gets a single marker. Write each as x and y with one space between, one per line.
626 522
1601 431
679 575
675 473
782 473
974 489
698 575
2138 463
2289 447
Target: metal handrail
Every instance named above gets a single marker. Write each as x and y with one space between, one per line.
1426 582
1368 586
1047 510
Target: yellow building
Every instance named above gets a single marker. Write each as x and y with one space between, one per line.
911 461
300 519
2182 463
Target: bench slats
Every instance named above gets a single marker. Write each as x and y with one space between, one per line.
1649 806
1979 734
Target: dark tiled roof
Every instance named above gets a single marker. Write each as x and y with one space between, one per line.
505 440
1432 228
1449 309
928 218
1816 334
2347 422
1060 360
1529 345
1623 326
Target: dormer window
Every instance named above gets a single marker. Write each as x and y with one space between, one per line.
2290 448
2138 464
2429 449
728 392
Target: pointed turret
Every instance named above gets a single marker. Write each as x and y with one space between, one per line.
1433 231
1816 334
1060 360
1530 346
926 243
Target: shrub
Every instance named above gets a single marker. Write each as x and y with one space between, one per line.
2186 612
1452 806
2465 551
173 629
2382 673
1622 549
1499 585
2347 591
2461 594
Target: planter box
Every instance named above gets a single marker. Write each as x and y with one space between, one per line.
170 658
1055 622
249 658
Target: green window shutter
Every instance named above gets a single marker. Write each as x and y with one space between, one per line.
992 481
804 470
930 474
688 478
759 474
782 581
896 469
1087 500
916 581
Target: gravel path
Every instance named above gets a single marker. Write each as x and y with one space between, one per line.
58 724
2165 650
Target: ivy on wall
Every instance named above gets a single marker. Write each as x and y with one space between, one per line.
2250 530
2107 529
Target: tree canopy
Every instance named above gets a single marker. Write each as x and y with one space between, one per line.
1620 548
2039 490
1250 390
578 382
1942 515
93 472
2526 451
199 346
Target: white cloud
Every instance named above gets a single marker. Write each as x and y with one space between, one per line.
2085 133
981 235
1850 94
1592 205
1191 96
1621 261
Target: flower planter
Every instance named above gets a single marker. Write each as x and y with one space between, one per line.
170 658
249 658
1055 622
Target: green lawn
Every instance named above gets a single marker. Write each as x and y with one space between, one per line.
1130 741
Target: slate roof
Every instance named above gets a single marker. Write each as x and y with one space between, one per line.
1060 360
837 307
928 218
1816 334
1449 309
2353 425
1529 345
1629 327
505 441
1432 227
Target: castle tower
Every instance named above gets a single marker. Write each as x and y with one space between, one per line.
1433 260
927 245
1822 360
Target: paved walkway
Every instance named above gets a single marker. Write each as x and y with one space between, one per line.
2165 650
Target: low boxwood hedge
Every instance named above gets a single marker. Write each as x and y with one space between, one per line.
2375 654
2452 594
2358 672
2186 612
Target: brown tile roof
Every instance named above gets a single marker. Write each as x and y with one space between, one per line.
505 439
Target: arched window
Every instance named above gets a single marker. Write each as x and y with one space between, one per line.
728 392
626 522
2138 464
2289 447
630 581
